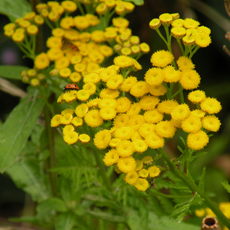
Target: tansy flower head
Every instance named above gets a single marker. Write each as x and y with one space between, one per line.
196 96
143 173
154 141
157 90
166 19
154 76
202 40
140 146
141 184
139 89
128 83
71 137
67 129
56 120
165 129
191 124
149 102
180 112
111 157
167 106
81 110
121 120
123 61
210 105
161 58
131 177
125 148
123 133
211 123
170 74
178 32
190 79
93 118
197 141
102 139
190 23
146 129
154 171
155 23
84 138
184 63
77 121
153 116
126 164
123 104
108 113
41 61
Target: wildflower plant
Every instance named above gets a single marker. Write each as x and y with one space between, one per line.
108 158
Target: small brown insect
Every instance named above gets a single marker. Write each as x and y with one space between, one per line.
69 44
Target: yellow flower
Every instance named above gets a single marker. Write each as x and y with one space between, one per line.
140 146
128 83
41 61
196 96
55 54
192 124
8 32
154 76
125 148
167 106
143 173
71 137
161 58
32 30
154 171
115 81
81 110
171 75
135 49
134 109
65 72
54 42
84 138
166 19
188 40
136 121
131 177
121 120
101 8
200 212
148 160
81 22
93 118
75 77
144 47
203 29
18 37
123 104
83 95
56 120
68 128
148 102
92 19
69 6
197 141
102 139
153 116
178 22
107 102
178 32
109 93
120 22
98 36
106 50
211 105
139 89
199 113
202 40
211 123
70 95
155 23
157 90
111 157
126 51
80 67
62 63
58 32
39 20
165 129
71 111
77 121
67 23
123 61
190 79
141 184
66 119
146 129
180 112
126 164
53 16
184 63
190 23
154 141
90 87
108 113
114 142
34 82
123 133
96 56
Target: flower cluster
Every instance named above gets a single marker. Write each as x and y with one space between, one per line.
134 115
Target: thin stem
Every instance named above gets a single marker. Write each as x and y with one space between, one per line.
195 189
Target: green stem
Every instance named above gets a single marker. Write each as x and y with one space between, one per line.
101 167
195 189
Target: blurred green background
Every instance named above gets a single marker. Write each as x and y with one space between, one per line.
212 63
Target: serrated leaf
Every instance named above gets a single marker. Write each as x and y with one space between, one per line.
201 182
180 149
226 186
136 2
14 9
17 129
52 204
12 72
65 221
28 175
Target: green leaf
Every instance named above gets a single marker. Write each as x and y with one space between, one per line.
52 204
28 175
226 186
12 72
65 221
14 9
201 182
17 129
136 2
